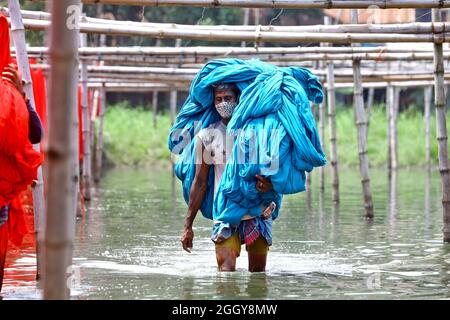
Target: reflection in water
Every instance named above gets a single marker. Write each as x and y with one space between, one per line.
128 244
173 189
321 212
227 285
335 219
427 201
392 203
257 286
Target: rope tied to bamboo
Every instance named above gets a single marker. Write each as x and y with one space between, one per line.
382 51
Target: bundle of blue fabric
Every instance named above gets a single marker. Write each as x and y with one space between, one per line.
276 135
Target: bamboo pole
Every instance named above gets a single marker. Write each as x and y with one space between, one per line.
18 35
370 98
428 94
92 120
380 51
361 123
331 103
273 58
322 139
62 182
322 120
282 4
95 107
246 22
258 36
87 164
99 146
441 127
392 108
389 103
173 105
189 73
415 27
114 86
186 79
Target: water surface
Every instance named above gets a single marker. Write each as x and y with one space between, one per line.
127 245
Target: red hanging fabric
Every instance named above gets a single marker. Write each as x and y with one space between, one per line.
40 94
16 221
5 56
18 160
80 124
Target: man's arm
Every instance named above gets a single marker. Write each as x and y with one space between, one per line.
196 196
34 125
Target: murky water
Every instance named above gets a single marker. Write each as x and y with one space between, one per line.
127 246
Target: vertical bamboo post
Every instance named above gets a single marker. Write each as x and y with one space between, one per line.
389 98
60 229
87 163
99 13
308 181
257 16
246 22
427 106
392 107
396 109
361 124
392 202
155 108
95 106
99 147
322 116
322 139
331 103
441 127
76 142
173 105
18 35
256 13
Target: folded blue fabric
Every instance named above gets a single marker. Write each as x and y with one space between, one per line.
276 135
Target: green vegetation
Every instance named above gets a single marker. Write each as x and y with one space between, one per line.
131 139
410 132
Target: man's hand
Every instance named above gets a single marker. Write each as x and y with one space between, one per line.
263 184
187 238
11 75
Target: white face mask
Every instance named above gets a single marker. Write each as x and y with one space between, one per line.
225 109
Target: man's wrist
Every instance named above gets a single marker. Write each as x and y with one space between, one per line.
188 224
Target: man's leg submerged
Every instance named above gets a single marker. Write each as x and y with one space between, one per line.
257 255
227 252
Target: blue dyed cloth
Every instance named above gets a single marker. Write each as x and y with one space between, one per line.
276 135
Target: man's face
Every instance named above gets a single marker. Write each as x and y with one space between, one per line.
224 96
225 102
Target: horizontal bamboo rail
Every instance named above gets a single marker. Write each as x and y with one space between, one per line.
285 4
226 51
193 59
147 87
258 36
417 27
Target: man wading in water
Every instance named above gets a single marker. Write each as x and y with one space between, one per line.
214 147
